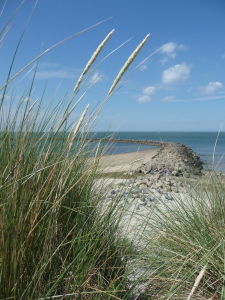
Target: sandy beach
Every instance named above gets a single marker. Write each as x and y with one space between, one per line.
126 161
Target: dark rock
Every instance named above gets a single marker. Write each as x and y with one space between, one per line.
175 159
113 192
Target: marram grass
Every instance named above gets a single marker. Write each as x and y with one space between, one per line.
127 64
187 252
92 60
56 240
53 239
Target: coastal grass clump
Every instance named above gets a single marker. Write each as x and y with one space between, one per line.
54 242
187 243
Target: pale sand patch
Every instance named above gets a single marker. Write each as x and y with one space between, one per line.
132 220
126 161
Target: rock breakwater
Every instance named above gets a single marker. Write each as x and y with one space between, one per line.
173 158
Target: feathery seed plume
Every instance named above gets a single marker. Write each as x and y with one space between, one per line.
128 63
92 59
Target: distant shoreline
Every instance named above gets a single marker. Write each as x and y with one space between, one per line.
202 144
128 141
174 158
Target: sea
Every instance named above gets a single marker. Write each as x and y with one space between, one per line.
210 146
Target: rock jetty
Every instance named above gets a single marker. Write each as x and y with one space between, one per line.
175 159
172 158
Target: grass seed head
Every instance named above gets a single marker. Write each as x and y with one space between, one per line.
128 63
92 60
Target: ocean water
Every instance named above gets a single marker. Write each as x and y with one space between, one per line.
210 149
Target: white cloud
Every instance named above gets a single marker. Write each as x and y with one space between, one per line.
53 74
48 70
171 48
176 73
196 99
144 98
143 68
182 47
150 90
170 51
146 93
169 98
49 65
211 88
164 60
96 77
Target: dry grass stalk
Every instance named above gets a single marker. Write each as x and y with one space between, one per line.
92 60
128 63
3 35
32 106
197 281
77 127
81 120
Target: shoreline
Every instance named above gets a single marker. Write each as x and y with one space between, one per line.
132 161
172 158
202 143
128 161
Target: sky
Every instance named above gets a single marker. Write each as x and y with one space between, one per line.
181 87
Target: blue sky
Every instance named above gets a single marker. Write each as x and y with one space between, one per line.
179 88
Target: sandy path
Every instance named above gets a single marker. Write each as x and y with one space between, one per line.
126 161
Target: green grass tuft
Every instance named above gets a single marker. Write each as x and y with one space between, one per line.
188 237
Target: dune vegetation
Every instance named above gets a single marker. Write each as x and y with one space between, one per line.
186 243
56 241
